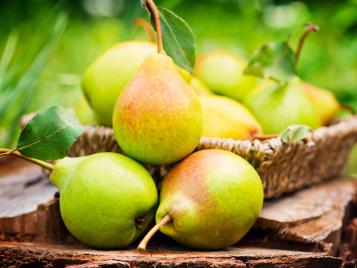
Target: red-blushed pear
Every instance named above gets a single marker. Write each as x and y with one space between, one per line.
208 201
157 117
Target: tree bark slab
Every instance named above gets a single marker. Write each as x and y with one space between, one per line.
14 254
315 215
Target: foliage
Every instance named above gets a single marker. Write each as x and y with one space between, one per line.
18 81
273 61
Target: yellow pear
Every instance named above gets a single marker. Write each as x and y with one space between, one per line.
226 118
324 101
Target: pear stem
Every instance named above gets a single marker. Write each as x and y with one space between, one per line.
147 28
150 234
5 151
309 28
155 14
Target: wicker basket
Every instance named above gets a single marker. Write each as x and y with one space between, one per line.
283 167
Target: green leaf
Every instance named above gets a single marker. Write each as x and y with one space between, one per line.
295 133
49 135
273 61
178 39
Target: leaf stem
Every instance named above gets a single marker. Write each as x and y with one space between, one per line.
147 28
150 234
310 27
155 15
5 151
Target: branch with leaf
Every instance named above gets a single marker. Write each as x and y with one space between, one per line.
47 136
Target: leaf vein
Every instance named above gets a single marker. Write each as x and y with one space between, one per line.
43 138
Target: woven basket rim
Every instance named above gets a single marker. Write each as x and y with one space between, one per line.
313 136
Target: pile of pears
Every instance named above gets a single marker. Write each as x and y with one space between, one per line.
209 199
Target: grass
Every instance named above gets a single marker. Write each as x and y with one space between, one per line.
18 83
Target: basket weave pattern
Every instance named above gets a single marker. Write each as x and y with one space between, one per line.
283 167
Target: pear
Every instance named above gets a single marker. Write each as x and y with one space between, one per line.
157 118
280 106
85 113
262 84
106 77
226 118
107 200
208 201
200 88
324 102
222 72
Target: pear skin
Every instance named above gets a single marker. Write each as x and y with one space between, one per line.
85 113
262 84
104 79
222 72
324 102
200 88
226 118
280 106
157 118
107 200
213 198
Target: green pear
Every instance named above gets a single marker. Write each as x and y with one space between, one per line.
324 102
107 200
157 117
104 79
209 201
85 113
222 72
261 85
280 106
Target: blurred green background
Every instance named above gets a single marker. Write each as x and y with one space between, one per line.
46 45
